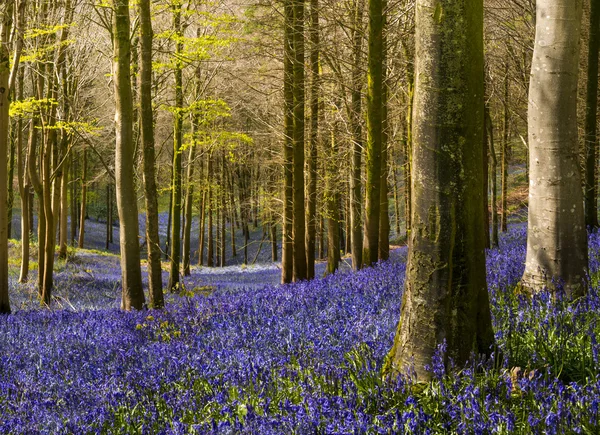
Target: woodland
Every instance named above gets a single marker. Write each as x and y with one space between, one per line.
299 217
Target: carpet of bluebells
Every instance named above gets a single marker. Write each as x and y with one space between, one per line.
237 353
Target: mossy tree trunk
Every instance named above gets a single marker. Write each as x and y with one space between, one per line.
131 274
445 297
556 234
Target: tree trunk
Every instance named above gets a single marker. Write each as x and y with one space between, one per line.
356 235
591 112
73 167
410 80
155 292
311 209
24 188
210 249
333 206
298 231
82 213
4 126
556 237
489 132
202 229
445 296
505 154
384 217
287 254
11 176
374 128
177 144
189 197
131 274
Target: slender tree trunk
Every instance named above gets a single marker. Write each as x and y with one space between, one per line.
24 188
333 205
287 254
396 201
210 249
410 80
131 274
74 171
169 220
155 293
384 217
83 200
505 153
299 229
356 234
486 167
556 237
374 135
321 237
311 212
489 133
202 229
273 230
4 126
445 296
11 176
591 112
189 197
177 144
64 203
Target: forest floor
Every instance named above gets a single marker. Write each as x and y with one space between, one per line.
238 353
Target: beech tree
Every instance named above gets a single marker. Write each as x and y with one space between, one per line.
556 235
155 293
445 296
374 132
6 11
131 275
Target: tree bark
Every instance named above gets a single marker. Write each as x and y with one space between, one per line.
333 204
299 229
189 198
177 144
556 238
489 129
591 112
384 217
356 234
155 292
445 297
374 129
82 213
311 209
4 126
505 154
131 275
287 254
